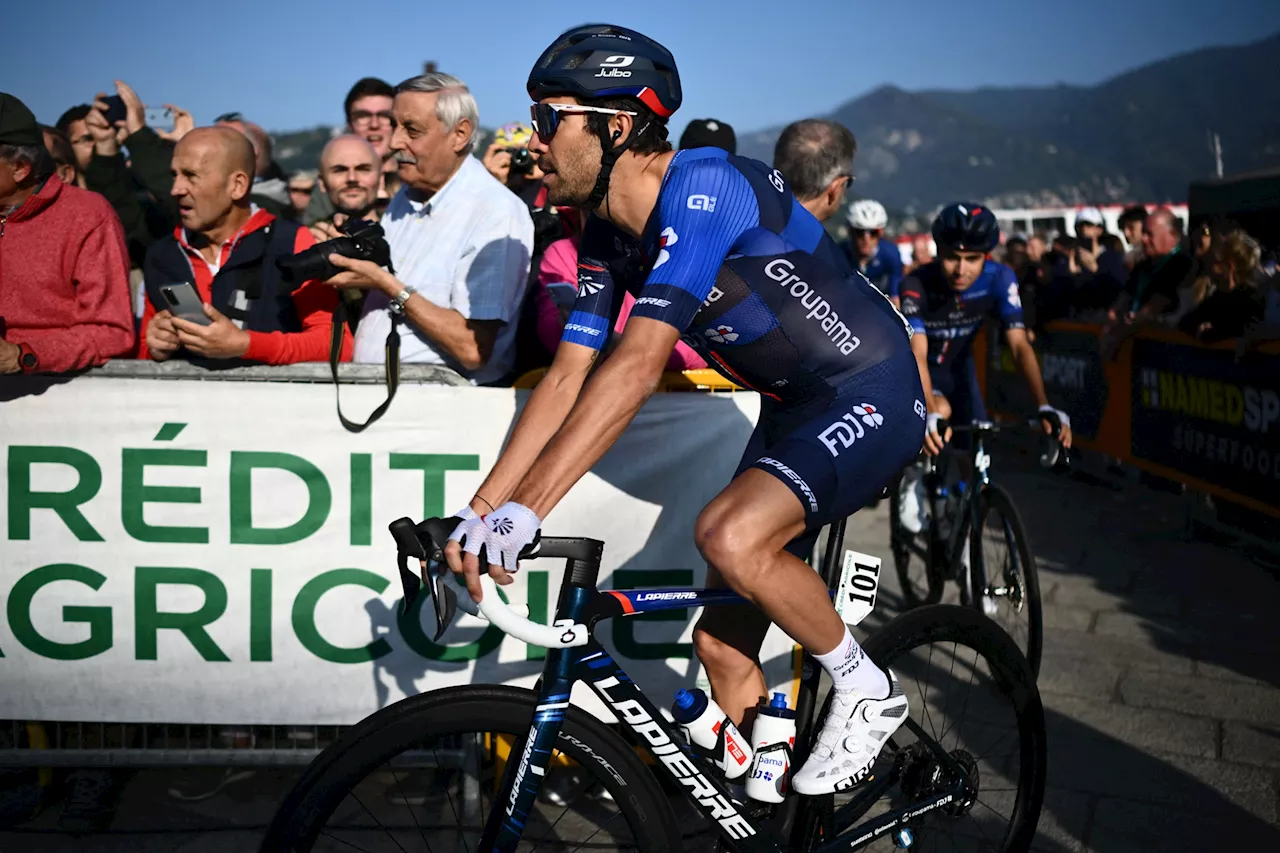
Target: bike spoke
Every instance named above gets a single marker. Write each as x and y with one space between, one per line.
925 700
599 829
421 833
344 841
378 822
457 819
964 709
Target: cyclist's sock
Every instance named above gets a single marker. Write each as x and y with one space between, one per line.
851 669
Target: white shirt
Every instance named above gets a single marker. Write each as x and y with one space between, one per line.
466 248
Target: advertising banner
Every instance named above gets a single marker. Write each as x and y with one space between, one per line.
217 552
1205 414
1072 372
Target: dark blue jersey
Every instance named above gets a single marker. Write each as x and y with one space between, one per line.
950 318
883 269
748 276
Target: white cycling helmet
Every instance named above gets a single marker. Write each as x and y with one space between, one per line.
868 215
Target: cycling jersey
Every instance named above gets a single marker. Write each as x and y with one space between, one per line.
757 287
950 318
883 269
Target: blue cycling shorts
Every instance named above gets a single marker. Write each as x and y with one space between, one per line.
838 460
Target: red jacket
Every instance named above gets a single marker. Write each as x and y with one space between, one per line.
314 302
64 279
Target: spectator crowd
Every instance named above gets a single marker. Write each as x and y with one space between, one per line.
123 240
1213 284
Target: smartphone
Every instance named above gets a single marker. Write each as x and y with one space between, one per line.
185 302
159 118
115 109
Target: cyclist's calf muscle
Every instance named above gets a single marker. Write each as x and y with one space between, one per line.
743 534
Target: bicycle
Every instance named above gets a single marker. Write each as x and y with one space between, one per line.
979 515
463 740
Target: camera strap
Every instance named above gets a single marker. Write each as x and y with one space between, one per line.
392 365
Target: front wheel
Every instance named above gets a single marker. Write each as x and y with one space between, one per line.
421 775
919 576
1012 593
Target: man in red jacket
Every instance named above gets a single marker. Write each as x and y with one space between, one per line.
228 250
64 270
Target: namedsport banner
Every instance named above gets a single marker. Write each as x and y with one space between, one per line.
216 552
1206 414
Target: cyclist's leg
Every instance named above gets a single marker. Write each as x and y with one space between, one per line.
824 468
744 535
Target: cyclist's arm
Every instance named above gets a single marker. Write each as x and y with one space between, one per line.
911 293
610 400
585 333
1024 356
544 413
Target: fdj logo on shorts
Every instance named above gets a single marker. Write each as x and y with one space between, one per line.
847 430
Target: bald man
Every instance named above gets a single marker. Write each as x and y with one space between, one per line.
351 173
226 249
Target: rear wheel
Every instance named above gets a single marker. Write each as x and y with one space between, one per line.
421 775
970 693
1012 584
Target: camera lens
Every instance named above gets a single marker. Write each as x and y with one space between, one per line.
170 298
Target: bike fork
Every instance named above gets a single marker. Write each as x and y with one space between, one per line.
522 779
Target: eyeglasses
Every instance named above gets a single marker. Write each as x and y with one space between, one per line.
228 117
367 117
866 232
546 117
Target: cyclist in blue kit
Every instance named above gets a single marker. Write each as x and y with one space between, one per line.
946 301
717 252
872 255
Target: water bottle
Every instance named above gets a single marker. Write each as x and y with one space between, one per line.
703 721
773 738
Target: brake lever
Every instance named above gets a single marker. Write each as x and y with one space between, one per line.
419 541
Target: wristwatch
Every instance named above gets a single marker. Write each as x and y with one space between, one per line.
397 302
27 359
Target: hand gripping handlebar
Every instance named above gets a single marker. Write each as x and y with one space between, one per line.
425 541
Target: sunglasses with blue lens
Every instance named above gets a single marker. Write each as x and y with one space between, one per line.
546 117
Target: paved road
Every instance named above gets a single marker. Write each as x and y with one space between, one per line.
1161 683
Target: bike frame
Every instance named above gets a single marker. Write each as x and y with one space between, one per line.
580 603
970 507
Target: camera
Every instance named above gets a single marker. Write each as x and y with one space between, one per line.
362 240
521 161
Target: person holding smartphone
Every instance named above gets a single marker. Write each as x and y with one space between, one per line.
228 252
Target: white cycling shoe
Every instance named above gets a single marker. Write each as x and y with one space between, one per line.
853 733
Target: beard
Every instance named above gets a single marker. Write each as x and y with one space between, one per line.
573 178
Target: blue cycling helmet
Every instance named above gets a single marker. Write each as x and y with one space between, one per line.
603 61
968 227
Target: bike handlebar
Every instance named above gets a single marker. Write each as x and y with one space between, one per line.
425 541
1052 454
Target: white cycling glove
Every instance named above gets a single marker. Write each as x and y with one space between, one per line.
503 533
469 517
1062 416
931 422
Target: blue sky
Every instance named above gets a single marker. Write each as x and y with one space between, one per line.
288 65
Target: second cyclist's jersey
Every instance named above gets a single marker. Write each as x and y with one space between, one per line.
749 277
950 318
883 269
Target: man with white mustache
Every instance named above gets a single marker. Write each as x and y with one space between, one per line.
460 244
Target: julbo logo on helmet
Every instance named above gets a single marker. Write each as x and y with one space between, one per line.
584 62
